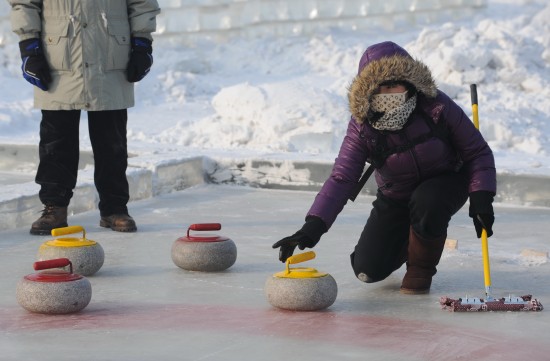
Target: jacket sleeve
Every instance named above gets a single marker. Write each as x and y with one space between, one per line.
142 15
345 174
471 146
25 17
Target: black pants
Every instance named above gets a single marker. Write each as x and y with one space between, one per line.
384 240
59 153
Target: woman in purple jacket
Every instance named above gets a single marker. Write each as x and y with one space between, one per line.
428 158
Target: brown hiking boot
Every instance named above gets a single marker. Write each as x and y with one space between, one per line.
424 256
52 217
119 222
416 281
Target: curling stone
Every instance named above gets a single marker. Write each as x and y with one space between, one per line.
206 253
301 289
86 255
54 291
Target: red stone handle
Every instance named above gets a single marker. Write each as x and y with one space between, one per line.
53 263
204 227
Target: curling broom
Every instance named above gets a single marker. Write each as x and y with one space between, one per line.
510 303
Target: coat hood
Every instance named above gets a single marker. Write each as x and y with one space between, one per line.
385 62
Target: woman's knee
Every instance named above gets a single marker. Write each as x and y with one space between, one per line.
368 272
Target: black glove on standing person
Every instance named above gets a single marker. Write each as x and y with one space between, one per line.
35 67
481 211
308 236
141 59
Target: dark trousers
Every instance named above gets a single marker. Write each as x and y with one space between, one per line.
382 247
59 153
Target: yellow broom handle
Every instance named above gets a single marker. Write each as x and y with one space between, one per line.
484 241
476 116
473 95
486 267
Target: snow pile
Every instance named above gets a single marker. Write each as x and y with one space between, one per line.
288 95
271 116
509 60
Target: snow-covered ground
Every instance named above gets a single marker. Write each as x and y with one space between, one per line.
286 96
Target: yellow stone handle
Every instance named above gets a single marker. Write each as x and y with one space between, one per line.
299 258
68 230
302 257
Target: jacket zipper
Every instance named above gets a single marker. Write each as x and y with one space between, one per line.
71 19
105 22
414 156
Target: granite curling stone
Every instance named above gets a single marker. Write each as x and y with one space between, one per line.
87 256
301 289
54 291
205 253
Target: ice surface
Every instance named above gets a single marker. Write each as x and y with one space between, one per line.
143 307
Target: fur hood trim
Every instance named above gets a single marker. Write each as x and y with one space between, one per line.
395 67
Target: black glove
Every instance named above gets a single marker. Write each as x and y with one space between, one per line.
481 211
141 59
35 67
308 236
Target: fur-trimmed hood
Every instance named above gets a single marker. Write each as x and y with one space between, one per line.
383 62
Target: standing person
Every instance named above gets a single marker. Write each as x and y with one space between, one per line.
84 55
428 158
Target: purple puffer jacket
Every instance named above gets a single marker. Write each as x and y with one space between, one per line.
403 172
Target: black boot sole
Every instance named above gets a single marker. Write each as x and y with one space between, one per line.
46 232
411 291
107 224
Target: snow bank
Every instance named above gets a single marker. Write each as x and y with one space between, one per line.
289 94
509 60
286 96
290 17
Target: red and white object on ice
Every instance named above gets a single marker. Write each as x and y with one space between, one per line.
205 252
510 303
54 291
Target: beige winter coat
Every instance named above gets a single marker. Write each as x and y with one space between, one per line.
87 45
